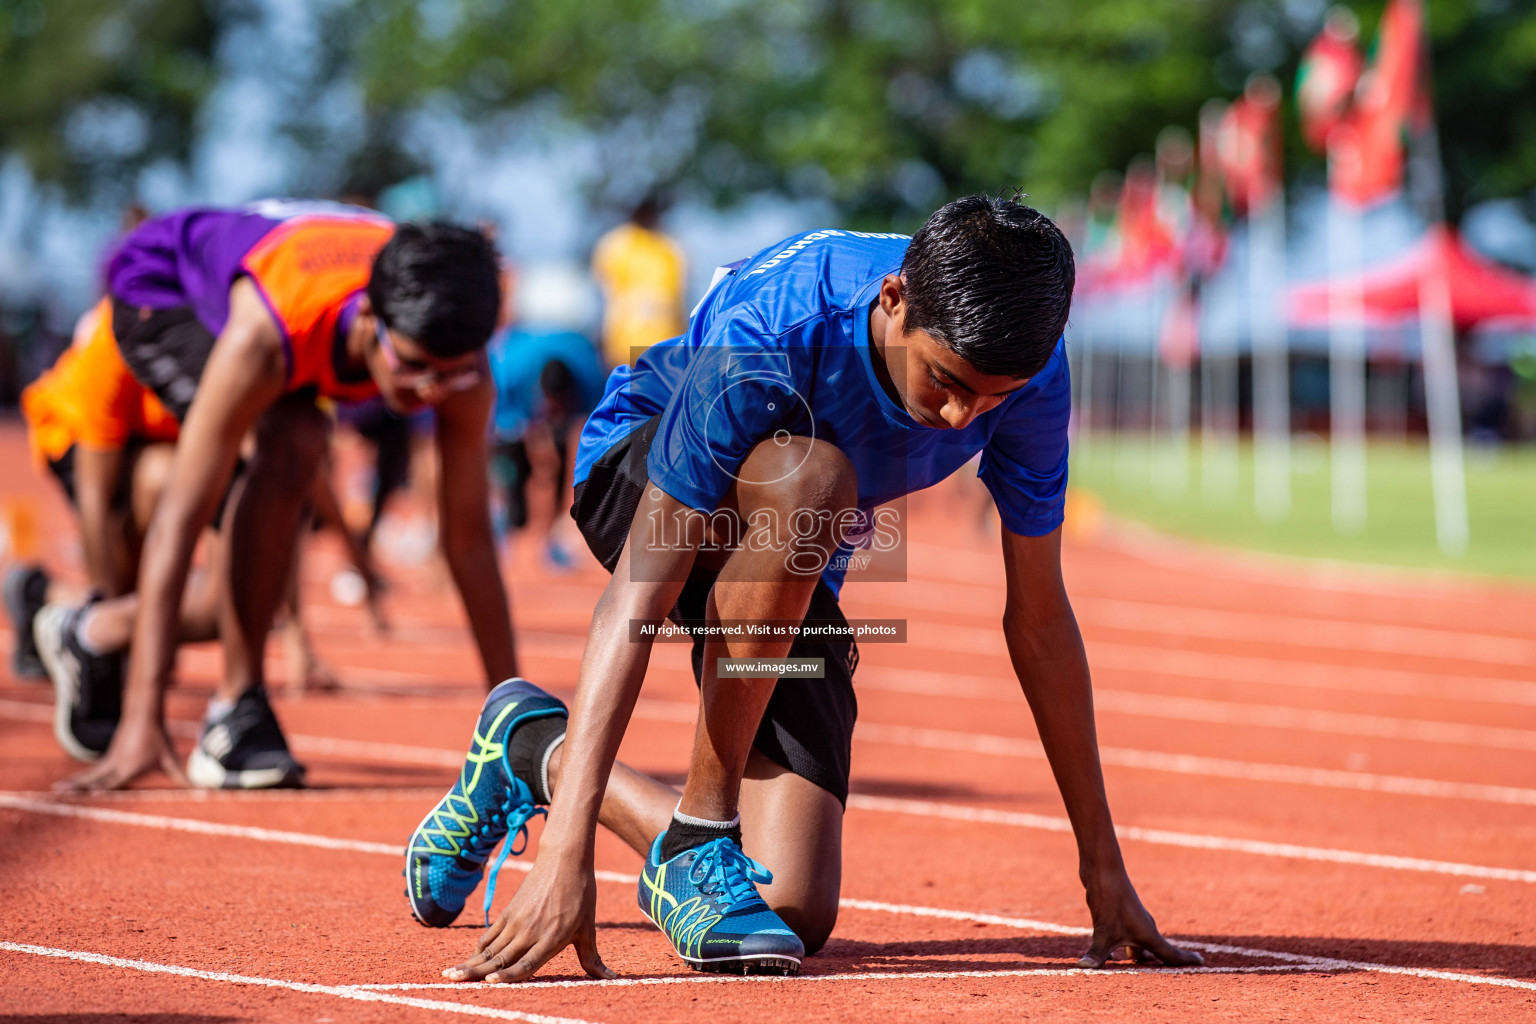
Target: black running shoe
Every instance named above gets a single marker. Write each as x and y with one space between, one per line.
26 591
87 688
244 749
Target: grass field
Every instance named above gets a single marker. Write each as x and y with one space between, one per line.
1138 481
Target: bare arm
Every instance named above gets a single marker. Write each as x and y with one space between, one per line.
644 587
555 905
469 544
244 376
1052 666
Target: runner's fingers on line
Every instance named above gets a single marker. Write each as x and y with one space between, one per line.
1100 953
586 952
523 968
488 961
80 782
106 775
1173 956
1153 950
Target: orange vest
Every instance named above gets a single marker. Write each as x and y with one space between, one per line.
88 397
306 269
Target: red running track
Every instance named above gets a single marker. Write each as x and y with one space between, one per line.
1325 779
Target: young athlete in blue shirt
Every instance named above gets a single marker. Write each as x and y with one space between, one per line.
722 481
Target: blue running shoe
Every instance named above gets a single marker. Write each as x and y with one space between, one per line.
705 901
447 853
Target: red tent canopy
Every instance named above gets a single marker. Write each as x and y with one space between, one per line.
1480 289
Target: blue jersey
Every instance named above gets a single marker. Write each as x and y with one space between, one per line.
781 343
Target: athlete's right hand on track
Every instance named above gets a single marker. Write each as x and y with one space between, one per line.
555 907
136 749
1122 924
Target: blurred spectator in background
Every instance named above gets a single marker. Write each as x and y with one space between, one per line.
548 378
641 273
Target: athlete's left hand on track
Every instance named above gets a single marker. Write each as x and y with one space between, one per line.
1122 925
555 907
135 751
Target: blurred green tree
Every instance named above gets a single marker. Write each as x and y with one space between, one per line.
93 90
882 107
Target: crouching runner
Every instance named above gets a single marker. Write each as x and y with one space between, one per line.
238 320
819 379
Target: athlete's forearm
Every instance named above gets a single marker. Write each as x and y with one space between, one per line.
163 571
612 671
1048 656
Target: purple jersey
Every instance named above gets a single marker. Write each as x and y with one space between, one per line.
193 256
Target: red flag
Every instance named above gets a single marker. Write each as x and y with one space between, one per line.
1366 149
1146 243
1248 144
1325 83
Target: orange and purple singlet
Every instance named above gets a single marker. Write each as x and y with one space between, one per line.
310 262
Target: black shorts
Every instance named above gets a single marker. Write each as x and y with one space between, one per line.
808 725
63 470
165 349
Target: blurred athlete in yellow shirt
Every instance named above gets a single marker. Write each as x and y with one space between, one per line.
640 271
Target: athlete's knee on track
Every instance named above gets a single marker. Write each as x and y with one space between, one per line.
812 920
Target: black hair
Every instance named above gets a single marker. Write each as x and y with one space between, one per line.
992 280
439 285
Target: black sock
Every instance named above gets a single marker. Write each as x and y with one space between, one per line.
528 750
684 833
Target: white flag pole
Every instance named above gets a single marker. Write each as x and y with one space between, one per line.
1443 405
1346 343
1442 390
1266 324
1271 361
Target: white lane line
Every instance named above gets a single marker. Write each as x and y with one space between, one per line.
1022 924
1193 764
973 743
1307 963
206 797
1137 704
111 816
1189 840
1341 723
1267 627
1303 573
856 801
354 993
717 979
1220 624
1108 700
888 805
1247 627
1235 668
323 745
1010 746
